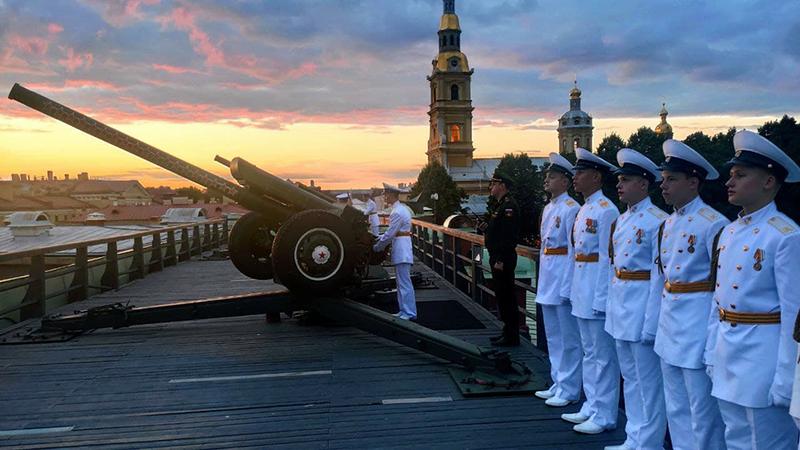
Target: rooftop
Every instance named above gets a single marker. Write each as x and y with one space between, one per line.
242 383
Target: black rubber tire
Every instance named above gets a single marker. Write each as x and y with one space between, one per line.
250 246
290 261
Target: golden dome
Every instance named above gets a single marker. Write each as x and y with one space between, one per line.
449 22
443 62
663 127
575 92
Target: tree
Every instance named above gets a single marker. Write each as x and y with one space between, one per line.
717 150
786 135
609 147
191 192
649 143
527 190
434 179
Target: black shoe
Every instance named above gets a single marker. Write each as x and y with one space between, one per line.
506 342
497 338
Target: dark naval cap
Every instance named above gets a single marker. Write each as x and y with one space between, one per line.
632 162
679 157
502 177
588 160
754 150
560 164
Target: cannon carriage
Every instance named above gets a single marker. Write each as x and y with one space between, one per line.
299 236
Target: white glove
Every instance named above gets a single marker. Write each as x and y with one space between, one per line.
710 371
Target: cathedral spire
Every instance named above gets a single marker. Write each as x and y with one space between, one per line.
449 6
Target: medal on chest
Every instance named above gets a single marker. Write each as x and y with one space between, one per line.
591 226
692 240
758 256
558 222
639 235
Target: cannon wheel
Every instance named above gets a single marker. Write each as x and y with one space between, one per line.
312 252
250 246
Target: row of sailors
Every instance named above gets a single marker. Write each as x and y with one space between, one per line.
695 312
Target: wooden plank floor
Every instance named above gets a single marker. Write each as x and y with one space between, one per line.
287 385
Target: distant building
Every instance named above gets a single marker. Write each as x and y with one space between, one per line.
153 214
664 128
66 200
574 126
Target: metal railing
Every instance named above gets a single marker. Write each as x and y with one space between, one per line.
32 295
458 257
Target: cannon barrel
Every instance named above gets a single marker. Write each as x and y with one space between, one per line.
146 151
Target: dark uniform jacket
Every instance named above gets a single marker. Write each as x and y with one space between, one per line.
502 231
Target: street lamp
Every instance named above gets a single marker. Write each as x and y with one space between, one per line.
435 198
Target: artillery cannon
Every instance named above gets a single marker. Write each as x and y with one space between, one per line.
296 235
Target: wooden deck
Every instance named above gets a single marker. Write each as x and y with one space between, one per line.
241 383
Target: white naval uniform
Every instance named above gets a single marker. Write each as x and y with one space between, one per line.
753 364
632 320
589 294
686 247
553 293
402 256
371 212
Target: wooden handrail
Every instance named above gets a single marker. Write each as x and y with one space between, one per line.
522 250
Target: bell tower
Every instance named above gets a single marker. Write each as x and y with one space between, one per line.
575 126
450 139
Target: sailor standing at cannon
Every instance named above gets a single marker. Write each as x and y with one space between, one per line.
399 235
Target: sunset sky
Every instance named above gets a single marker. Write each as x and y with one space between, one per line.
335 91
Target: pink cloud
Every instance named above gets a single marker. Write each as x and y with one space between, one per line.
75 60
31 45
68 85
266 71
54 28
174 69
119 13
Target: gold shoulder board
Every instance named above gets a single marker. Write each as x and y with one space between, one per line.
781 225
710 215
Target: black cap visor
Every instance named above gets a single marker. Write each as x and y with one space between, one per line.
633 169
674 164
752 159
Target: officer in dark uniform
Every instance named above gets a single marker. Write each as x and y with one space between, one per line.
501 236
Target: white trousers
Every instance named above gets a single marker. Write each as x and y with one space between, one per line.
405 290
563 349
644 395
769 428
692 413
600 373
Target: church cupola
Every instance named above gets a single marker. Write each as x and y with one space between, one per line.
575 126
664 128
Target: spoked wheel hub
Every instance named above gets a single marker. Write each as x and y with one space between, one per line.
319 254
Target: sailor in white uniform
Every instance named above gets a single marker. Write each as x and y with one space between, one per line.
554 285
634 300
589 294
756 301
399 235
685 242
344 198
371 212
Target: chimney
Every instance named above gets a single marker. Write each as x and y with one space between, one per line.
49 175
23 177
15 177
66 176
312 183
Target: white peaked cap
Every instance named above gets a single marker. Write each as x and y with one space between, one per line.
756 150
682 158
588 160
634 163
562 163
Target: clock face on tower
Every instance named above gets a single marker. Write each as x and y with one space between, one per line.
453 63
